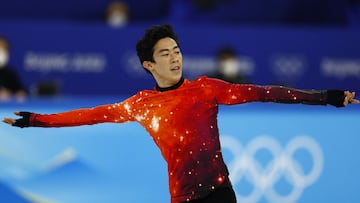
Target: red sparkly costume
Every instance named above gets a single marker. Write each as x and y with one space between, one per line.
183 124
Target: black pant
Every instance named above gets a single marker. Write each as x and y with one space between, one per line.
220 195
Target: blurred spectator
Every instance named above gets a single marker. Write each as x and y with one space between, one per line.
228 66
10 85
117 14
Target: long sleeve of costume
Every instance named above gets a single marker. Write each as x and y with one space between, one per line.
227 93
113 113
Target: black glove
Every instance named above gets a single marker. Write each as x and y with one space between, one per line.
24 121
336 98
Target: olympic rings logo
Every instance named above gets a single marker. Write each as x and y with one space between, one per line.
283 165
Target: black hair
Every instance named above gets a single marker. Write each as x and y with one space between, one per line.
145 46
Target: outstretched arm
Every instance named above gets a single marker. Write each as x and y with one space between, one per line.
116 113
227 93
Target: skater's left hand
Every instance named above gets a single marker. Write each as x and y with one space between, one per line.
350 98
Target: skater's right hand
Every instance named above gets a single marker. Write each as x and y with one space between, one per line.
21 122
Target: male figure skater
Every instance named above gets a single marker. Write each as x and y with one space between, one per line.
181 117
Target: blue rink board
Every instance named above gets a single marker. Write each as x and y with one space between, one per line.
275 153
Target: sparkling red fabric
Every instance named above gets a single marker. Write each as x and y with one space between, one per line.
183 124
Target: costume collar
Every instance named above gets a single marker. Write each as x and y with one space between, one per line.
177 85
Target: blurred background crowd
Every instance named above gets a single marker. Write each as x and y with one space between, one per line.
320 12
86 47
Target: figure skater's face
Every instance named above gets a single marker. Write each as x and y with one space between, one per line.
167 68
